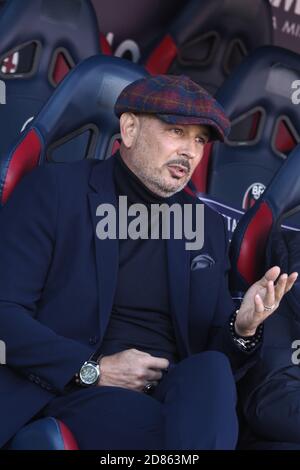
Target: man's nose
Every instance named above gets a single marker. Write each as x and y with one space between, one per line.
189 150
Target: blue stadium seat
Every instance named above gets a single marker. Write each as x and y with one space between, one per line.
250 254
208 39
77 122
265 126
44 434
85 100
40 41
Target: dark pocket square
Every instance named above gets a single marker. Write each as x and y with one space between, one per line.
202 261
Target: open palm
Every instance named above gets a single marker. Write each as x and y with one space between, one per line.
262 299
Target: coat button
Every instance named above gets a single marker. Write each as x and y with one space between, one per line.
93 339
46 386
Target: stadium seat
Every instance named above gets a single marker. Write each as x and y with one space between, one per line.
44 434
276 204
85 100
77 122
208 38
249 253
40 41
265 126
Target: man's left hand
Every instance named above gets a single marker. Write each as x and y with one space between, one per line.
262 299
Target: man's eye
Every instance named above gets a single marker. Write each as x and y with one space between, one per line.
177 131
201 140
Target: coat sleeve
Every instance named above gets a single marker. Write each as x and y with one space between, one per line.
220 337
28 226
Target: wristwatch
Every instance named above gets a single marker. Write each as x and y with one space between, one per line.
89 374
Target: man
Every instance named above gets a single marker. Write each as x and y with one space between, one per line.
91 322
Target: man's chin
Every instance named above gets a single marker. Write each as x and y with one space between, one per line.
171 189
166 187
176 184
165 191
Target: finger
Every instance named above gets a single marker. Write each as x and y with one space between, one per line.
153 375
280 288
271 275
291 281
157 363
260 314
269 298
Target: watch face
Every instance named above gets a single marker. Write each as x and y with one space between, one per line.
89 374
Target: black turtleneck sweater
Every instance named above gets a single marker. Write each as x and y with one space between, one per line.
140 316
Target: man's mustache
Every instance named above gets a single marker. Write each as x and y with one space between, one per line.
182 162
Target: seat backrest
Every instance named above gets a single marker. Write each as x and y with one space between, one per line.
44 434
59 32
265 126
208 38
77 122
40 41
249 242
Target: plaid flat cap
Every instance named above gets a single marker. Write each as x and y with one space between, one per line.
175 100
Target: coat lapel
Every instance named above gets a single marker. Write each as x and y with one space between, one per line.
107 256
179 282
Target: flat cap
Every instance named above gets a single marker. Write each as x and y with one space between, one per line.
175 99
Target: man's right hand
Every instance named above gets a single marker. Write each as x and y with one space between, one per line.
131 369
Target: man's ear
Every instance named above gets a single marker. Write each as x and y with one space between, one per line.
129 126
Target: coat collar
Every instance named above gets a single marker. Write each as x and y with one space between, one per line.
101 177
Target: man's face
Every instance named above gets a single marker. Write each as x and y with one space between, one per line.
163 156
